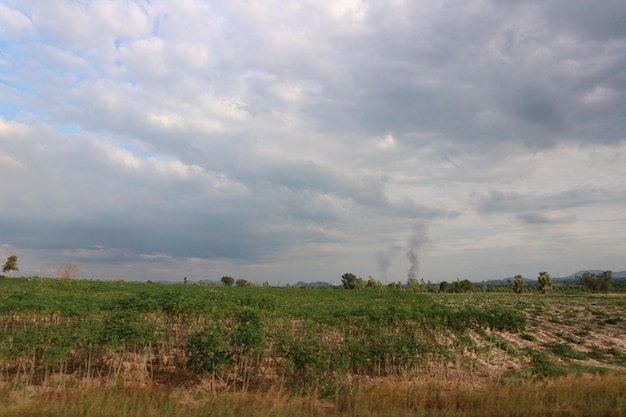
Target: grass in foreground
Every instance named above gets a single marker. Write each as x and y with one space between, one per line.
586 395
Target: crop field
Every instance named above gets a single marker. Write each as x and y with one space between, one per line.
212 350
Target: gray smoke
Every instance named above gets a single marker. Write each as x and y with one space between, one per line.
383 264
414 244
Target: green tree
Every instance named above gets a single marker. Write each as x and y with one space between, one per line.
544 282
10 264
597 282
589 280
349 281
413 284
606 281
466 286
459 286
227 281
373 283
444 286
518 284
241 283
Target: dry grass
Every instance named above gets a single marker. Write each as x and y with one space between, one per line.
573 396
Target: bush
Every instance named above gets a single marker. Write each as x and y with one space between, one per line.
207 350
543 366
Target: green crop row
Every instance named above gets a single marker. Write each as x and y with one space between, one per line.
239 336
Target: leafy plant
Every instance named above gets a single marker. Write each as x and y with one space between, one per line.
207 350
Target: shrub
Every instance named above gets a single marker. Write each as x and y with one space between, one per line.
207 350
543 366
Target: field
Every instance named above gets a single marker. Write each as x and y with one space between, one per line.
75 347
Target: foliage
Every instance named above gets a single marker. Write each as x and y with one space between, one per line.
373 283
247 333
350 281
10 264
412 284
597 282
227 281
544 282
518 284
207 350
243 283
459 286
544 367
312 338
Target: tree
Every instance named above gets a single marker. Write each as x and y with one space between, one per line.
544 282
466 286
413 284
606 283
68 270
518 284
589 280
241 283
10 264
349 281
227 281
373 283
459 286
444 286
597 282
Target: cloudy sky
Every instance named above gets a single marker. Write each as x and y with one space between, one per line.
288 140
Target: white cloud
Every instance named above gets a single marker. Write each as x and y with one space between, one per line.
10 163
14 24
387 143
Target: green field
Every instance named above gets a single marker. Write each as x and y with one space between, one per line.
306 351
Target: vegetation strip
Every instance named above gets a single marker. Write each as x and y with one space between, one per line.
331 345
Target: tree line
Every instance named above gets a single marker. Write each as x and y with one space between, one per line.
594 282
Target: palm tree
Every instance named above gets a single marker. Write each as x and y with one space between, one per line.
544 282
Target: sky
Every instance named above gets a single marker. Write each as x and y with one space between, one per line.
287 141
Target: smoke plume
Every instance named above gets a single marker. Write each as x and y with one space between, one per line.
383 264
414 244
